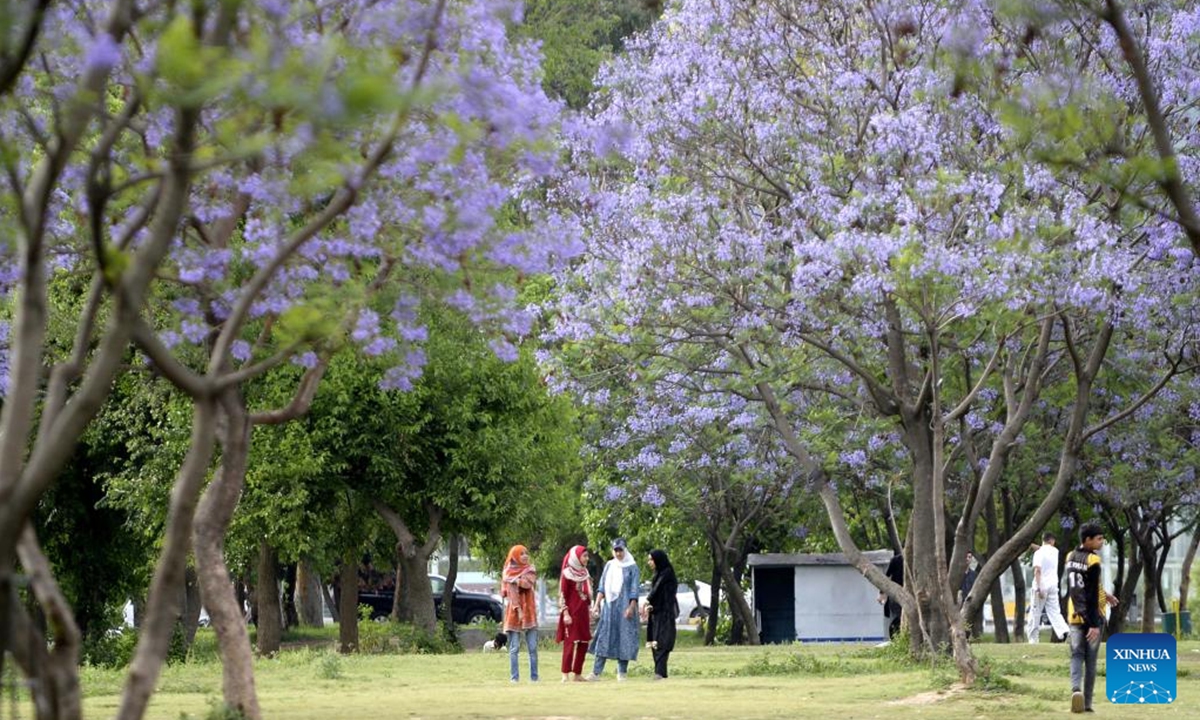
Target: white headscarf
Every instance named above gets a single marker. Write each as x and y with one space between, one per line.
614 578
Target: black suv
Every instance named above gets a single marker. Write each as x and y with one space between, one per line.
469 607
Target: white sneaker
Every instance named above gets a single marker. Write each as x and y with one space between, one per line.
620 677
592 678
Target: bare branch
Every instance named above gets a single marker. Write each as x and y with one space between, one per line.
11 66
167 365
248 372
301 401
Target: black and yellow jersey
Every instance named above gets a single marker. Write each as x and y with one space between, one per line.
1086 600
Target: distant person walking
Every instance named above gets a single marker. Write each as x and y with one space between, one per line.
520 610
661 610
1086 604
574 618
616 635
1045 592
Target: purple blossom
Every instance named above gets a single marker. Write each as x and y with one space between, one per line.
854 458
503 349
305 360
103 54
240 350
379 346
653 496
366 327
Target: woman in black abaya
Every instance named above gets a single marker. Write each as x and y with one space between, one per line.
661 610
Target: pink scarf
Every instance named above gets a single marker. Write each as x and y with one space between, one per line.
573 568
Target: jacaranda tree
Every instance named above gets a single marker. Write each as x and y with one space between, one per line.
820 207
234 182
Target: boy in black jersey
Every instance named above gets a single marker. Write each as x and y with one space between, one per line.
1086 604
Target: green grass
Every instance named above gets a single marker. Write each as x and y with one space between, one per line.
837 682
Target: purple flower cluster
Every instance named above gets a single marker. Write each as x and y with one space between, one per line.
286 127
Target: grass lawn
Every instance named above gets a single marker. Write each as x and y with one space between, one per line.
834 682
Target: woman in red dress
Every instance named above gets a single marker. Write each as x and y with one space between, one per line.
574 620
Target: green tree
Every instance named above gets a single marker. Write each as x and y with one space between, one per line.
479 447
577 36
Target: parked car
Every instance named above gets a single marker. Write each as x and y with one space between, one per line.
686 599
469 607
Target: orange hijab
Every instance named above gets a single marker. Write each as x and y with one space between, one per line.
514 568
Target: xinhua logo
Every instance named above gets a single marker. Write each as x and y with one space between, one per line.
1141 669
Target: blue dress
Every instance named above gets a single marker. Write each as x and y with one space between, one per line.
617 637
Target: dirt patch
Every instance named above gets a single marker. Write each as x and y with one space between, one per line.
931 697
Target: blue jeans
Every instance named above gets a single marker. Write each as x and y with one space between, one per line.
622 666
514 646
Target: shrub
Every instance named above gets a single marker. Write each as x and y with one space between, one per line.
376 638
114 649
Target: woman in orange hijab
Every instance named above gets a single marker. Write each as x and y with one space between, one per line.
574 618
520 610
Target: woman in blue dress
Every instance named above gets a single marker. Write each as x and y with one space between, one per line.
616 634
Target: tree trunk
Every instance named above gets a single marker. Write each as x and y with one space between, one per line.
334 608
714 604
348 604
448 591
743 630
1148 603
738 605
308 595
162 604
1164 549
999 615
139 612
1125 587
420 590
291 616
889 516
57 671
412 561
1018 572
212 520
933 623
1019 619
29 649
1185 579
242 592
252 602
401 605
270 619
191 605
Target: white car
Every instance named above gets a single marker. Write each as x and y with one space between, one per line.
688 609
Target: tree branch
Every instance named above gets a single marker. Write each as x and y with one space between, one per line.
1171 181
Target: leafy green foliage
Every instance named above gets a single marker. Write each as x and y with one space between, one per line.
477 437
577 36
110 650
